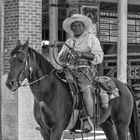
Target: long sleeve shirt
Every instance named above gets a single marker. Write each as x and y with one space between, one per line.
85 43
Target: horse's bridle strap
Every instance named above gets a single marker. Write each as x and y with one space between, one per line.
30 69
27 63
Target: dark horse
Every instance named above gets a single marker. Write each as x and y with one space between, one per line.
53 102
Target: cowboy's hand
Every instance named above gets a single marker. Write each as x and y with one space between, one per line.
62 57
73 58
68 57
79 54
65 57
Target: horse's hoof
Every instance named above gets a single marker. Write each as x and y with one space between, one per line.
86 130
87 126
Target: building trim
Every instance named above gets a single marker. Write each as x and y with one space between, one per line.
134 2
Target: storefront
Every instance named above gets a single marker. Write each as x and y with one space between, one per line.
105 27
108 37
23 19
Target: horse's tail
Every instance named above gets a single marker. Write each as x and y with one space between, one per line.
134 126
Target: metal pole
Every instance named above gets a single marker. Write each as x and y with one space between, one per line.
53 27
122 41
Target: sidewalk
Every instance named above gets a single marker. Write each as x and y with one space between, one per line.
97 135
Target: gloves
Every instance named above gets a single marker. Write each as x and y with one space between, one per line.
65 57
70 57
79 54
62 57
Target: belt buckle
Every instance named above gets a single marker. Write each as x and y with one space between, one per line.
83 62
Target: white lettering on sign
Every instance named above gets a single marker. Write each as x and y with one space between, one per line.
134 72
115 14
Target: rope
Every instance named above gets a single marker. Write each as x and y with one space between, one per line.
111 71
55 57
61 43
27 83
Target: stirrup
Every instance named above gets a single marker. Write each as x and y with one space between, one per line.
86 129
90 123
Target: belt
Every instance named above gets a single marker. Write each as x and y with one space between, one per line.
87 63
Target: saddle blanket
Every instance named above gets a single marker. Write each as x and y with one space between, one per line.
108 90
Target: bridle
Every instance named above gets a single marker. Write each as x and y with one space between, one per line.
28 65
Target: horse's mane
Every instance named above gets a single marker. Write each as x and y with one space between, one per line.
43 63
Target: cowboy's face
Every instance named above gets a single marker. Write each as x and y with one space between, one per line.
78 28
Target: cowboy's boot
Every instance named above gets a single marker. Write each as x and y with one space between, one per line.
88 103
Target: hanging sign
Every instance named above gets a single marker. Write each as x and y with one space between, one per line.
134 72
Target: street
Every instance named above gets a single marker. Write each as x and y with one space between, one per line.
99 135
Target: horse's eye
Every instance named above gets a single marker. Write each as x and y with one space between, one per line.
11 60
21 61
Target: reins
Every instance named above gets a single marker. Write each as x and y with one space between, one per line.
30 69
55 46
27 83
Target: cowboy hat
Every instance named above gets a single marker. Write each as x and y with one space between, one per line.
76 17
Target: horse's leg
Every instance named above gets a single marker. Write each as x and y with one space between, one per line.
49 120
56 134
45 132
122 130
121 117
109 129
134 126
122 110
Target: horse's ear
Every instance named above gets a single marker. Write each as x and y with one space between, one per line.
18 43
27 42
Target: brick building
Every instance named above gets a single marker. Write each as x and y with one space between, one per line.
22 19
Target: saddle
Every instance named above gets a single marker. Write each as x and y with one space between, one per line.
67 76
107 84
106 90
103 84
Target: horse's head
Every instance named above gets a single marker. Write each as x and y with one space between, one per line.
19 66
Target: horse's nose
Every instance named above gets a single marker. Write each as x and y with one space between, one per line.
10 84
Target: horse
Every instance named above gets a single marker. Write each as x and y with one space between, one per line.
53 101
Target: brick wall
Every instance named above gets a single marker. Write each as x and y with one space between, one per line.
30 22
22 20
1 54
11 25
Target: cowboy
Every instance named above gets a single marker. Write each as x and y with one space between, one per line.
87 54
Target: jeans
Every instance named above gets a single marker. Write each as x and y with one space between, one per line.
85 77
